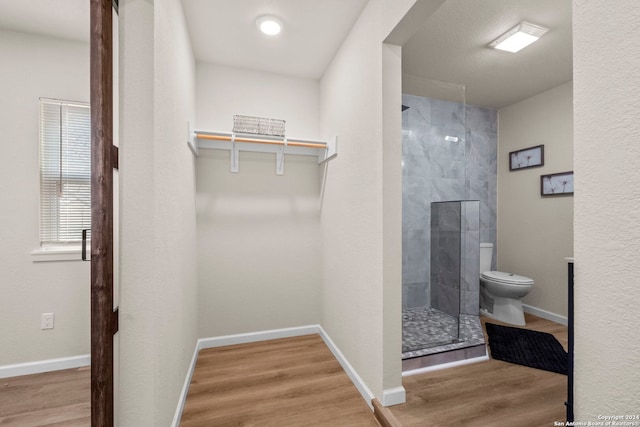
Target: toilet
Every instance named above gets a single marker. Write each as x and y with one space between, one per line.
500 292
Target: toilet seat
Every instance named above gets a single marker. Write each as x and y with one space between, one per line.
506 278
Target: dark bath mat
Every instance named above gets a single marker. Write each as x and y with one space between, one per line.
525 347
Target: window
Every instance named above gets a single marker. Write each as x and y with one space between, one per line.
65 172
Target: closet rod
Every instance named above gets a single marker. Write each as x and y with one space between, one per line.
261 141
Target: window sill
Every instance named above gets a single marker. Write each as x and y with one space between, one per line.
56 254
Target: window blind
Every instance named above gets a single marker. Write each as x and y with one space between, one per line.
65 171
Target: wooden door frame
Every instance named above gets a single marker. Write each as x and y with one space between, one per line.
103 320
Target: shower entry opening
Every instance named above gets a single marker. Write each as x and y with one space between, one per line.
447 172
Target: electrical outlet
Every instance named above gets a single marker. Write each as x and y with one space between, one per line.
47 321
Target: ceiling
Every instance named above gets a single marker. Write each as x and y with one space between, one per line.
225 32
450 46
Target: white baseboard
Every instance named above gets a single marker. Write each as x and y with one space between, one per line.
185 387
394 396
41 366
545 314
365 392
257 336
445 366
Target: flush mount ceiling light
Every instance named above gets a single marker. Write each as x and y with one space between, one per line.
270 25
519 37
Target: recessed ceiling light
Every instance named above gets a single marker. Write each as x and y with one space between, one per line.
270 25
519 37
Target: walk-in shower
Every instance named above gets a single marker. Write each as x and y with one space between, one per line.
449 154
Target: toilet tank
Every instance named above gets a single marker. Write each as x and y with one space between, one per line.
486 254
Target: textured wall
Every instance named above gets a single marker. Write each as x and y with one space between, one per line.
438 170
175 325
352 200
607 218
158 313
361 312
392 220
33 67
137 296
535 233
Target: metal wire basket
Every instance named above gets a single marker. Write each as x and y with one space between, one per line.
258 125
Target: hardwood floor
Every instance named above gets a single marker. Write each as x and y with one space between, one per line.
60 398
284 382
491 393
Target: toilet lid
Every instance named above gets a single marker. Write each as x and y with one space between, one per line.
502 277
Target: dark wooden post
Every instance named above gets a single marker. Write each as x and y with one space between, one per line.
101 214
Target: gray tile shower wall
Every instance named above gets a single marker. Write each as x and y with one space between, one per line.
445 257
470 258
435 169
455 257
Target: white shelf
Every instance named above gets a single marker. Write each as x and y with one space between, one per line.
280 146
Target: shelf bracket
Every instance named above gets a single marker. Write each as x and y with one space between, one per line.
330 152
191 140
235 153
280 158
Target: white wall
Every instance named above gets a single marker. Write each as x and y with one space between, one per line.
224 91
361 205
535 233
607 219
352 203
32 67
158 312
392 221
259 252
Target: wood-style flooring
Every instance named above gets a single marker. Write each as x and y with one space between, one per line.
491 393
59 398
284 382
298 382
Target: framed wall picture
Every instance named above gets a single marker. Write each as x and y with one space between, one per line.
531 157
556 184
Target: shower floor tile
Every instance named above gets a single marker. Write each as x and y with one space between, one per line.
426 330
427 327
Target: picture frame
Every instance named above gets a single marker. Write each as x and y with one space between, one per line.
531 157
556 184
